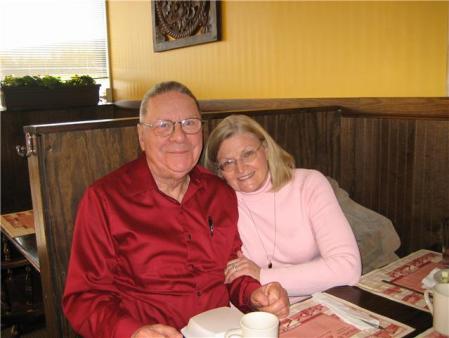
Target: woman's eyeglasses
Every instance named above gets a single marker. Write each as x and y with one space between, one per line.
167 127
247 156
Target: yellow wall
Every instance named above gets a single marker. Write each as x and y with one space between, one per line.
277 49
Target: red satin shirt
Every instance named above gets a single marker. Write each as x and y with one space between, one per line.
139 257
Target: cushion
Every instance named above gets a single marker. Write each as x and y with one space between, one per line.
375 234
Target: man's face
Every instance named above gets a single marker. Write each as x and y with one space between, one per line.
172 156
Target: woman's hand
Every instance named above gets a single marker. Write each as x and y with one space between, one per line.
241 266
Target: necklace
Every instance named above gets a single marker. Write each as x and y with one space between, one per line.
269 258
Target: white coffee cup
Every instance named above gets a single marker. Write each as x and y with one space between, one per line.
256 324
439 307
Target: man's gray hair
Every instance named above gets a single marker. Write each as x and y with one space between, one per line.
164 87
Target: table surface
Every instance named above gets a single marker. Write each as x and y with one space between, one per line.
419 320
27 247
18 228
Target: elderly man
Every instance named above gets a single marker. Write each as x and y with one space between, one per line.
152 239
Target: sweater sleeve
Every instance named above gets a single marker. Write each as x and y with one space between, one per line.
90 301
338 262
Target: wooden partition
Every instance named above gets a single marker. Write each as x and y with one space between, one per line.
69 157
400 168
15 186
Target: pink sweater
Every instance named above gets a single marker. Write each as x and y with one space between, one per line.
315 247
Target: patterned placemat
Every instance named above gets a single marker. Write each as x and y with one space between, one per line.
401 280
312 319
19 223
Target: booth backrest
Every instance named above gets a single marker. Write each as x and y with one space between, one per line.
396 166
15 186
70 156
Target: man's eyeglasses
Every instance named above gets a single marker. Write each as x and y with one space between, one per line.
166 127
247 156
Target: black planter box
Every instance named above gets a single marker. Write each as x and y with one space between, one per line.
29 98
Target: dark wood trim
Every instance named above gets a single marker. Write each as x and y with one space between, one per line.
130 121
386 107
394 107
211 115
45 267
81 125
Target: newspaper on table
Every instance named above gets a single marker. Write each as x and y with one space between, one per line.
312 319
401 280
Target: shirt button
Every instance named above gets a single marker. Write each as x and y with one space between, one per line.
198 293
189 237
190 267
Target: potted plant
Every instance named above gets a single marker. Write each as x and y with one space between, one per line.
48 92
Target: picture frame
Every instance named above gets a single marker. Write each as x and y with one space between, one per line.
181 23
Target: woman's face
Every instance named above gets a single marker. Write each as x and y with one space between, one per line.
243 162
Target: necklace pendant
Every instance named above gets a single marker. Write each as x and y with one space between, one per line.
270 265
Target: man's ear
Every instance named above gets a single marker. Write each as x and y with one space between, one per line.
140 136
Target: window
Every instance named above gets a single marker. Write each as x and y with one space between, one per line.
54 37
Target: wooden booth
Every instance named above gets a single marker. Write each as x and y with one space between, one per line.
391 155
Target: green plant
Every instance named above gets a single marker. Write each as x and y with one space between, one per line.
80 80
46 81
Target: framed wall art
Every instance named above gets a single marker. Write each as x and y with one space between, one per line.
181 23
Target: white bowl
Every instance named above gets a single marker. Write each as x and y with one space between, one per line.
213 323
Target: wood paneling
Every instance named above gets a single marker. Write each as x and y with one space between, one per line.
399 168
61 181
394 157
311 135
392 107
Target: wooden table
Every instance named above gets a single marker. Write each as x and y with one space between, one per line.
419 320
22 306
27 247
18 228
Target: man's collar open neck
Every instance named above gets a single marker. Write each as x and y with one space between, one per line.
173 187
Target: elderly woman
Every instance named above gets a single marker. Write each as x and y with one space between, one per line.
290 222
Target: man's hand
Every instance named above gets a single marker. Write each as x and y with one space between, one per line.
157 331
271 297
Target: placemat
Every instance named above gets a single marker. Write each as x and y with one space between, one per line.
401 280
19 223
313 320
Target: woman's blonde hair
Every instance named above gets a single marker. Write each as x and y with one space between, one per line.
280 162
